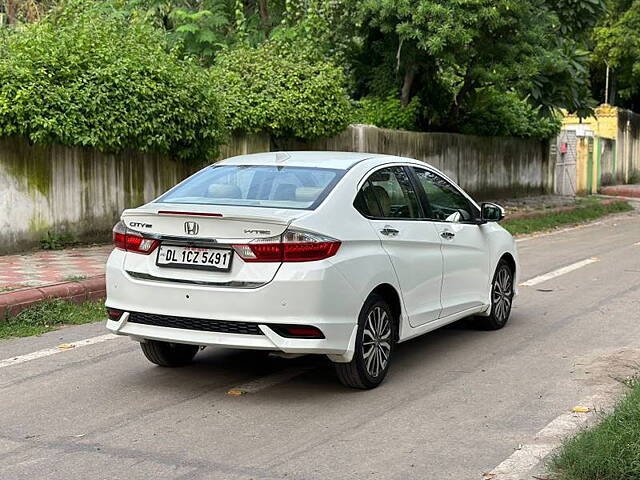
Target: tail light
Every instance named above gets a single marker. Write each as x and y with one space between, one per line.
297 331
114 314
132 241
291 246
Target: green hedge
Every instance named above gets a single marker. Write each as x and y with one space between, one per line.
89 76
270 89
388 112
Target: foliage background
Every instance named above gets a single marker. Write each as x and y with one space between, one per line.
274 89
167 75
91 77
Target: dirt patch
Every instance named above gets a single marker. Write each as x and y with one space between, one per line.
610 369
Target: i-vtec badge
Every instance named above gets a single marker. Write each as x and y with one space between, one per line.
254 231
191 228
140 225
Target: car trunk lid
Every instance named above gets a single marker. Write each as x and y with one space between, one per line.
205 226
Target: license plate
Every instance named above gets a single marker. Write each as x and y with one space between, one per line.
194 257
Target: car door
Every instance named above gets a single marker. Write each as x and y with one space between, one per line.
389 200
465 249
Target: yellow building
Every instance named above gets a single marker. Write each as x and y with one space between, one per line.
603 149
604 124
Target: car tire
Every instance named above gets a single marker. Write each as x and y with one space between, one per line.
502 290
375 343
168 354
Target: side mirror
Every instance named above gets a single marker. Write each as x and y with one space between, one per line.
491 212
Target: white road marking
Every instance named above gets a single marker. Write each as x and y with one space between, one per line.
7 362
555 232
637 244
267 381
558 272
527 457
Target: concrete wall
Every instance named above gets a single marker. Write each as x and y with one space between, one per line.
55 188
628 147
487 167
606 162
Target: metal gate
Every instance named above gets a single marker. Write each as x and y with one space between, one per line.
566 163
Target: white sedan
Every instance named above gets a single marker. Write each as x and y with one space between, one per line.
340 254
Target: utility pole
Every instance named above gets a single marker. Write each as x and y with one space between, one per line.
606 86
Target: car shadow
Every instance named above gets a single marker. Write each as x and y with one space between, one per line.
220 369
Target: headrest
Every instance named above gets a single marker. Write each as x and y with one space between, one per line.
384 199
285 191
308 194
223 190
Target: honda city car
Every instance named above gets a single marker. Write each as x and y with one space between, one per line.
339 254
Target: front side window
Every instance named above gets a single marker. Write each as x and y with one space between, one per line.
388 193
446 202
256 186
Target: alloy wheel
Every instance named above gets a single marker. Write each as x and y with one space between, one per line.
502 295
376 341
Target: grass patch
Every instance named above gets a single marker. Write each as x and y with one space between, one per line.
588 210
75 278
49 315
7 289
58 240
610 451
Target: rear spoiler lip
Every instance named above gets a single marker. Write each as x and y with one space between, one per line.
146 214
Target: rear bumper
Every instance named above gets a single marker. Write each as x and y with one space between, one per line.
313 293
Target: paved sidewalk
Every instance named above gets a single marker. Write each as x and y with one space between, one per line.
52 266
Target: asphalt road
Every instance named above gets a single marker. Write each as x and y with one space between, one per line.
456 403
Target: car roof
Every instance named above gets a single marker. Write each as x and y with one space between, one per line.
320 159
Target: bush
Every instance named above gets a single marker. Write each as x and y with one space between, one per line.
58 240
388 112
270 89
495 113
89 76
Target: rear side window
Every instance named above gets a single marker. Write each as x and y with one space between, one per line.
256 186
388 193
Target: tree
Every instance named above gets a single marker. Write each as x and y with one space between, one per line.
617 44
204 28
449 52
23 10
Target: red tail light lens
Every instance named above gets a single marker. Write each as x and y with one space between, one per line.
297 331
307 252
131 241
114 314
291 246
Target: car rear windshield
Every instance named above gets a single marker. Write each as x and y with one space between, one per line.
256 186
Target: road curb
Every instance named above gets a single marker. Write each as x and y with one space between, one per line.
622 191
89 289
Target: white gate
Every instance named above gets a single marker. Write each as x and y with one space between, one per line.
566 160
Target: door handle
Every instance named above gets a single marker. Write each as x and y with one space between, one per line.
447 234
389 231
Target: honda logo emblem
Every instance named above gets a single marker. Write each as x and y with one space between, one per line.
191 228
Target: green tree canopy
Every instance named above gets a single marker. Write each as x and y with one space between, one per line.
449 52
296 67
617 44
